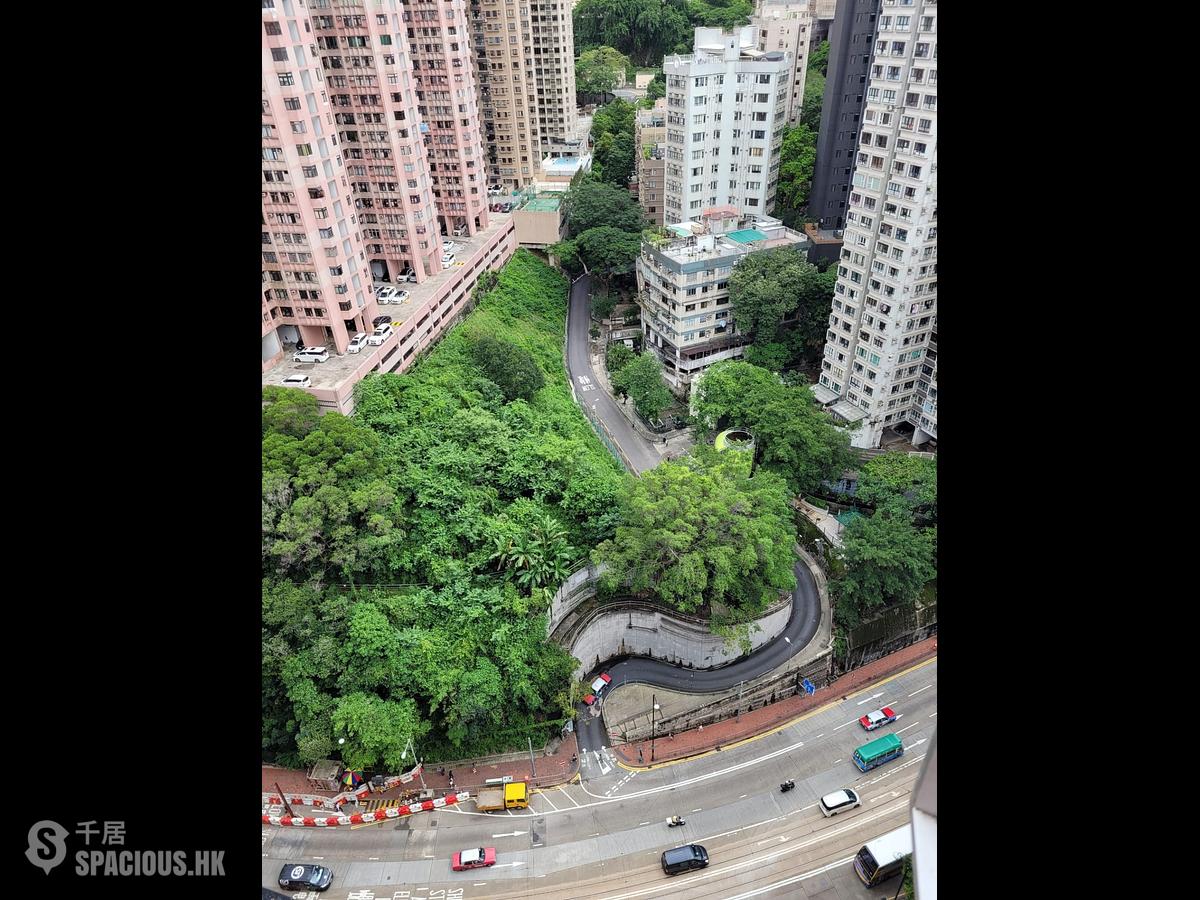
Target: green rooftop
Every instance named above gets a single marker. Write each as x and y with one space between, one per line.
543 204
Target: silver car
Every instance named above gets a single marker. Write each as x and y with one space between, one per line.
838 801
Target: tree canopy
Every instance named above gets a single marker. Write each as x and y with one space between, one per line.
592 204
887 561
720 13
701 532
778 297
599 70
640 379
645 30
512 368
793 436
896 476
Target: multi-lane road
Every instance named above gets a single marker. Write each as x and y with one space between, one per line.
601 838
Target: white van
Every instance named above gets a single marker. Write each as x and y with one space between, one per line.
311 354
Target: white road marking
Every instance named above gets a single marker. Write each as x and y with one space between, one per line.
373 858
869 699
931 715
548 800
906 727
643 823
793 879
779 838
713 837
568 796
786 638
821 735
844 724
756 861
318 857
510 834
698 808
914 693
743 797
511 864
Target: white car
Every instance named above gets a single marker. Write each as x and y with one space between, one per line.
449 246
447 260
839 801
460 231
357 342
388 294
379 335
297 381
408 275
495 190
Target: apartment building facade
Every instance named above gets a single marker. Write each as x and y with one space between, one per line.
650 134
726 109
525 71
786 25
880 359
347 189
851 39
683 289
448 106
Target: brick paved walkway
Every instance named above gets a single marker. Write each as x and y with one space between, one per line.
701 740
551 770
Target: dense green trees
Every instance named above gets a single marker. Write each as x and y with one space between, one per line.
463 477
591 204
641 381
782 302
896 476
510 367
645 30
887 561
794 437
700 532
798 160
720 13
599 70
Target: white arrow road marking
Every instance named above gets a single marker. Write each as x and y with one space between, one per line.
510 834
914 693
906 727
511 864
786 638
869 699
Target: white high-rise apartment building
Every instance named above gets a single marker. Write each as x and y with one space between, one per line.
726 108
786 25
880 365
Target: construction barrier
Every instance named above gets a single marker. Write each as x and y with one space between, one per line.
378 815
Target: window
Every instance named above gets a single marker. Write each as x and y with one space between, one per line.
272 28
279 54
286 79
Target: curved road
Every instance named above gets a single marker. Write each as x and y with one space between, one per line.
640 453
800 629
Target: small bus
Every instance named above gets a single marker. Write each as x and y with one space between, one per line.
876 753
880 859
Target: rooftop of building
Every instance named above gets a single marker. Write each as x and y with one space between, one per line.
723 232
565 165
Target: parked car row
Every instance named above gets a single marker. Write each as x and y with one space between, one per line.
501 207
385 293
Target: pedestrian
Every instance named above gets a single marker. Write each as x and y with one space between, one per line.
451 782
473 769
452 776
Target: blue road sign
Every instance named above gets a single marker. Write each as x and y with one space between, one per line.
808 686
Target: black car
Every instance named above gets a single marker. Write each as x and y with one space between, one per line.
305 878
380 320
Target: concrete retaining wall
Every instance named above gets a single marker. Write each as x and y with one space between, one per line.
655 633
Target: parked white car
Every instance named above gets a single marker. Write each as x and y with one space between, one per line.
447 260
389 294
449 246
357 342
379 335
297 381
460 231
408 275
495 190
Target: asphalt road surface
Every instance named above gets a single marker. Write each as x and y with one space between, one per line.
801 626
602 839
641 454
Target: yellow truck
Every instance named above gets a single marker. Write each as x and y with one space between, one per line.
503 796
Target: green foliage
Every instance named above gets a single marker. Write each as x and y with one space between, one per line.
603 304
888 561
617 357
612 132
794 437
772 356
720 13
814 95
594 204
657 88
818 60
778 297
512 368
614 118
641 381
645 30
896 476
701 532
609 252
798 160
598 70
568 256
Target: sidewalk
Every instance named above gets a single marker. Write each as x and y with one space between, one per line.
551 770
722 734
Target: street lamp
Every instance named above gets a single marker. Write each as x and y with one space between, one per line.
654 700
